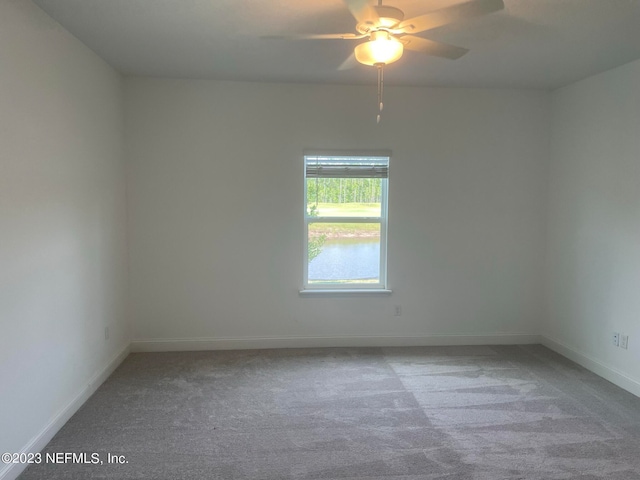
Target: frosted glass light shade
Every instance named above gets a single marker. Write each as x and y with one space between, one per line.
382 48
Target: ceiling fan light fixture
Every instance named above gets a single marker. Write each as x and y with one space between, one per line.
382 48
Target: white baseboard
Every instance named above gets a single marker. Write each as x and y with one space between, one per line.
39 441
250 343
596 366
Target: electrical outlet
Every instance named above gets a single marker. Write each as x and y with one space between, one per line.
624 341
106 333
397 310
615 339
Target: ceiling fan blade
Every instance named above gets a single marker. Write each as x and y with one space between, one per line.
313 36
349 63
431 47
362 11
451 14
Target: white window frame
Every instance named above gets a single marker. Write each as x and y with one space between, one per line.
381 286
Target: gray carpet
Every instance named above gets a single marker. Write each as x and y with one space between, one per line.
455 413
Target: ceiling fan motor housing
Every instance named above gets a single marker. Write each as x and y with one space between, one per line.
388 17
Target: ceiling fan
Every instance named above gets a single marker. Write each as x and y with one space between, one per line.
389 33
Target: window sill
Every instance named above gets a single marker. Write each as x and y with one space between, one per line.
343 291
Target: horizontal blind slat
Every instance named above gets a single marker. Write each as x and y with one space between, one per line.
341 171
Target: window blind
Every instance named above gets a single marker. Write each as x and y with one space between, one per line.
346 167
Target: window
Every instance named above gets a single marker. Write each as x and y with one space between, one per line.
346 222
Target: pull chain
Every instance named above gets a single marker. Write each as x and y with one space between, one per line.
380 89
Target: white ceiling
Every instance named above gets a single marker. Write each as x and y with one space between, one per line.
532 43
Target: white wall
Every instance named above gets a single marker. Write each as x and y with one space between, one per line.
216 211
62 222
594 223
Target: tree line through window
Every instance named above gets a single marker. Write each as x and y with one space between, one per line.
345 190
